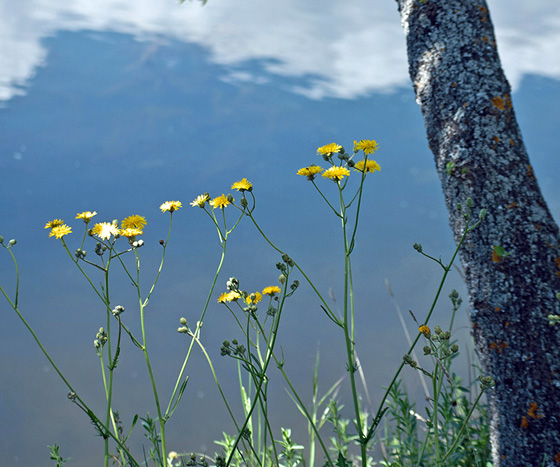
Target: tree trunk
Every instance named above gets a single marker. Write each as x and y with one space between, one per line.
479 153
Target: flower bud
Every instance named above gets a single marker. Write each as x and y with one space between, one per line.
417 247
482 214
183 321
469 202
96 343
12 242
183 329
244 203
117 310
281 278
1 240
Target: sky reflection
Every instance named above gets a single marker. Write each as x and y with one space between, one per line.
341 50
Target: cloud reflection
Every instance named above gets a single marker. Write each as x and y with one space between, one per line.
335 49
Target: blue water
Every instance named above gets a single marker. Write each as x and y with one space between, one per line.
119 125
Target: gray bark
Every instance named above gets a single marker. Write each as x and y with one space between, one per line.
466 103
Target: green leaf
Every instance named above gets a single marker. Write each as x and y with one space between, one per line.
342 461
499 250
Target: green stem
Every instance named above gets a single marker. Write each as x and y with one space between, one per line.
349 330
198 326
465 423
161 419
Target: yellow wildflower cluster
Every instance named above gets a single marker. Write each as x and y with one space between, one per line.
271 290
329 149
222 201
338 172
130 227
86 216
251 299
242 185
229 297
171 206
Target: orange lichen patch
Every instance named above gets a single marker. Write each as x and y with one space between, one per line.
557 458
499 346
496 139
537 226
453 85
529 170
533 408
512 205
507 323
499 103
524 422
495 257
497 308
485 39
509 105
511 142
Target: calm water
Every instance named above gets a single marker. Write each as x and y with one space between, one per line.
121 106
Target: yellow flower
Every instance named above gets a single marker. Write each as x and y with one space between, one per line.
310 171
130 232
370 166
336 173
369 146
133 222
220 202
229 297
424 330
86 216
271 290
171 206
59 231
104 230
201 200
329 149
253 298
242 185
54 223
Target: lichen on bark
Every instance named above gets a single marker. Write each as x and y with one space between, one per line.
479 153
